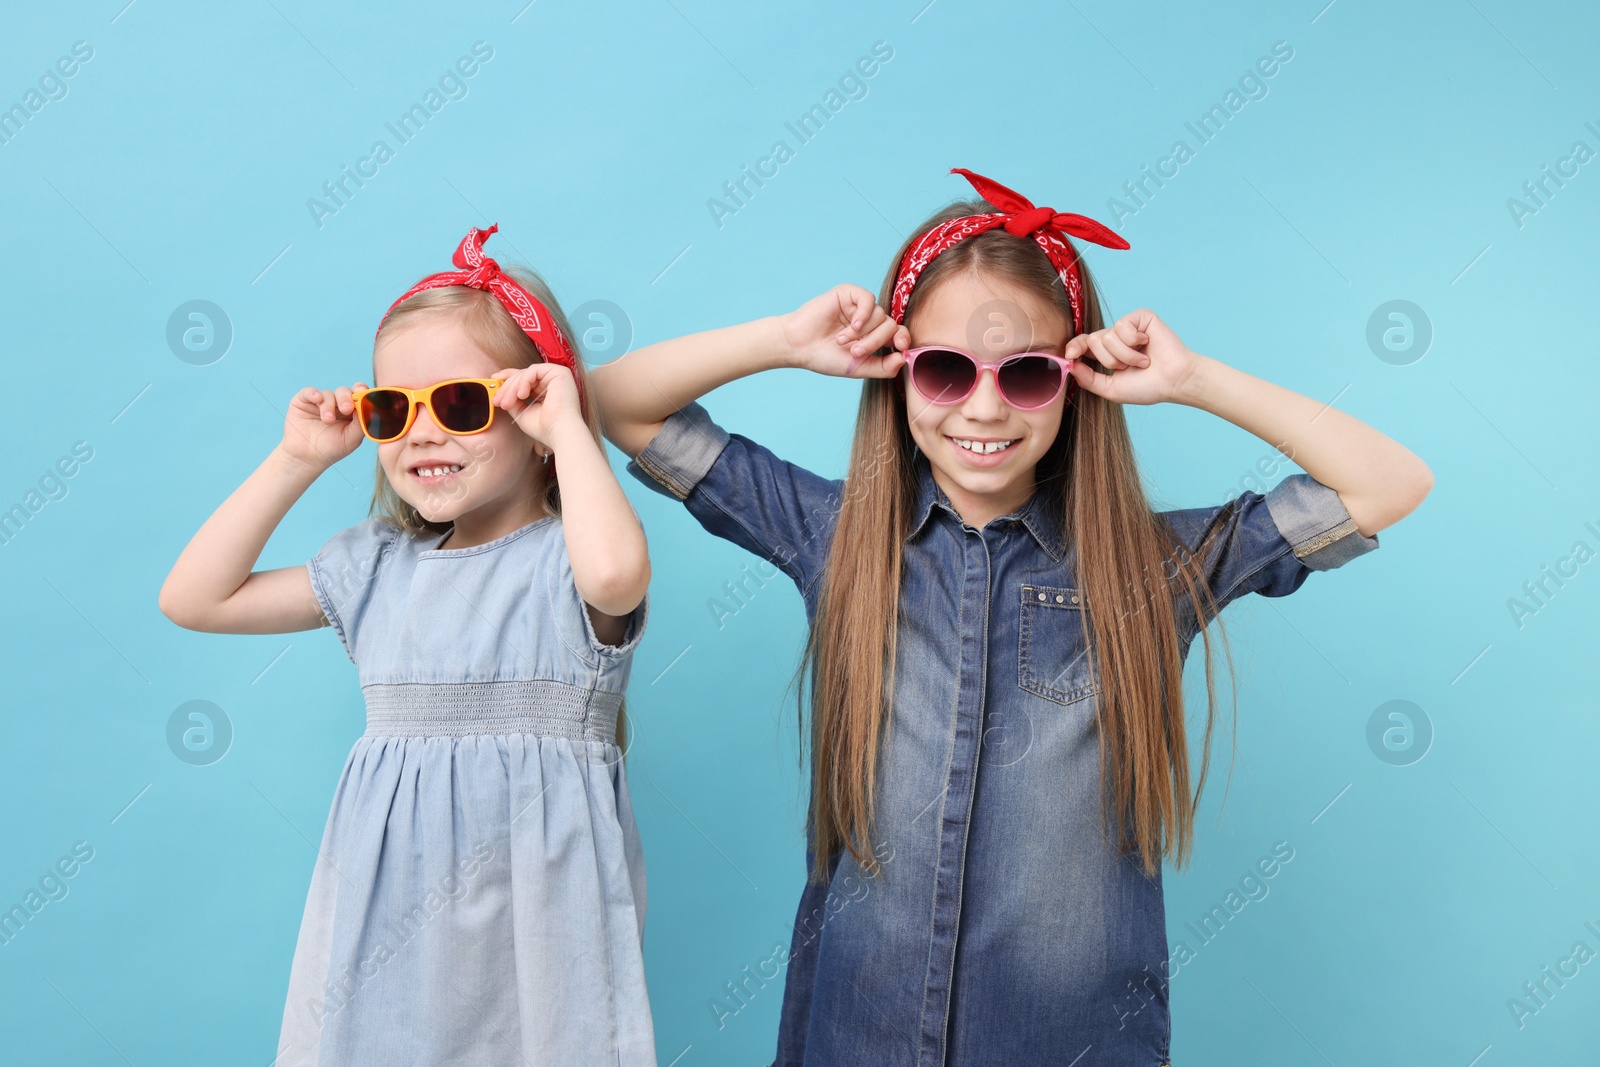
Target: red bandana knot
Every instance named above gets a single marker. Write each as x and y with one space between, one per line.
479 271
1019 217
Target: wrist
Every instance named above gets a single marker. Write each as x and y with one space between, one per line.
568 433
773 349
294 467
1197 384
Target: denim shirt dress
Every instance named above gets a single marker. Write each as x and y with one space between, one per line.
1002 928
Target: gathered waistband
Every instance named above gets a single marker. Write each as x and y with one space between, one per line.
544 707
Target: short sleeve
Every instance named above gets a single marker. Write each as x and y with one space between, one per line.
342 574
1270 544
742 492
571 615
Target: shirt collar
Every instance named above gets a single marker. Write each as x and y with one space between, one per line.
1041 515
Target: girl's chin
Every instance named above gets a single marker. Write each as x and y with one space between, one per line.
985 482
432 511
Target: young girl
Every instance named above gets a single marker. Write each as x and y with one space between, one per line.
479 896
998 624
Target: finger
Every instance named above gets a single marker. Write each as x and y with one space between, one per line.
902 339
1087 378
502 395
510 395
856 303
891 364
875 365
1128 331
1142 319
879 337
875 318
1132 357
538 381
1097 345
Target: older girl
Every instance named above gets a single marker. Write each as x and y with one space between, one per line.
999 622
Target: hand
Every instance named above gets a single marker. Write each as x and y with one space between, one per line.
321 428
840 333
541 399
1148 364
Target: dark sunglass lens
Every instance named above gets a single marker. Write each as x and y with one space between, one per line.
462 406
383 413
1031 381
942 376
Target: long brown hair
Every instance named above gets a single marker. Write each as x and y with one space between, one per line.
488 323
1132 568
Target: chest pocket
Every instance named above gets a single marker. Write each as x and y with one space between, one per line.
1053 657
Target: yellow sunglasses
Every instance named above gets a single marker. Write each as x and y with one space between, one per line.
461 406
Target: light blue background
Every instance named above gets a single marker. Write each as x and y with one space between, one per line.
1377 167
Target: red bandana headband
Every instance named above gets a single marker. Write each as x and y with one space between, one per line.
1020 219
480 272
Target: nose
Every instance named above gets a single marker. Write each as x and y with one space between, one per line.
423 428
985 404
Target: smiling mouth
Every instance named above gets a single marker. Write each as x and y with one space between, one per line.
981 448
434 473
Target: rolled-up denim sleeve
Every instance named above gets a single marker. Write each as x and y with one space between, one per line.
742 492
1270 544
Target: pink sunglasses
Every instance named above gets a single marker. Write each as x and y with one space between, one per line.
1026 380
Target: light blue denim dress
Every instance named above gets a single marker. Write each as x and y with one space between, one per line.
479 896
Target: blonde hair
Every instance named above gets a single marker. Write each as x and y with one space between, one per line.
493 329
1120 543
491 326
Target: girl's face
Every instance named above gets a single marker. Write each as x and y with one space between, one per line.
489 469
991 318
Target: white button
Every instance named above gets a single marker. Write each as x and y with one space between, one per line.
1041 596
1074 598
1059 598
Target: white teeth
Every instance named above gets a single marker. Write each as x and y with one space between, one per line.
983 447
429 472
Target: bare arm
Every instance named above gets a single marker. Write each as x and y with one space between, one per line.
1379 480
637 391
605 543
837 333
212 587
